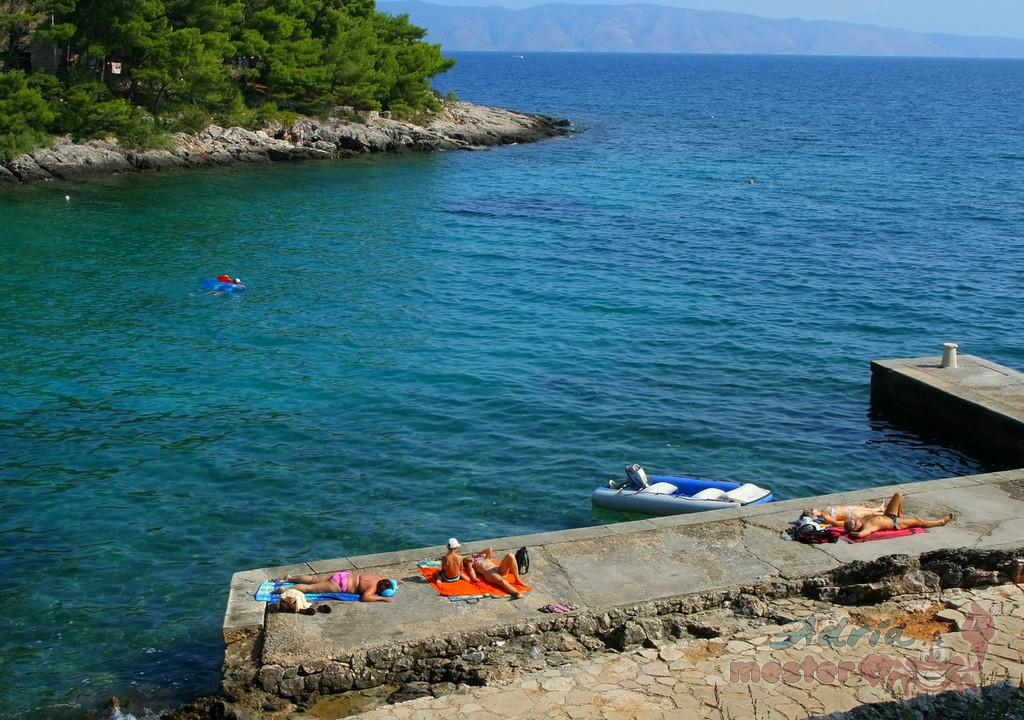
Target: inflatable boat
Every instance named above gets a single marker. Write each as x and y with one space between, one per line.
675 495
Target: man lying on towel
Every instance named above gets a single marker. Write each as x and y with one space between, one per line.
369 587
889 518
482 566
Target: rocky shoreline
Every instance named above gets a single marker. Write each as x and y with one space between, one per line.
461 126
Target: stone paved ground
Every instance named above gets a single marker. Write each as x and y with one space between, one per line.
808 659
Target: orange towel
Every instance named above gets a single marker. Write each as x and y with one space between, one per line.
464 587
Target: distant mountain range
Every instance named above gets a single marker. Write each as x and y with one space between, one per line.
654 28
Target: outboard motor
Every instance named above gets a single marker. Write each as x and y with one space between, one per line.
636 476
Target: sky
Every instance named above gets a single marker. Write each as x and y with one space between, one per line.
995 18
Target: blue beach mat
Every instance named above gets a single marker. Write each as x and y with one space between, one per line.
263 594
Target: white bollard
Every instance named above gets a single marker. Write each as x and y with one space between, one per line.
949 355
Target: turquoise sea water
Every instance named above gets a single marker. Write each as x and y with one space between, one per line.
468 343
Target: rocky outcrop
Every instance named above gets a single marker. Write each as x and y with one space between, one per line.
460 126
68 161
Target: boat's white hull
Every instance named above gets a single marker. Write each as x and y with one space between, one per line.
671 495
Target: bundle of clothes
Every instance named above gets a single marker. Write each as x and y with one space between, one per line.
812 530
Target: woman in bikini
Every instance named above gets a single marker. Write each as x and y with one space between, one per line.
369 587
837 516
482 566
891 518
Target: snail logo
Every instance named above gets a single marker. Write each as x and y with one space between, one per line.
930 671
936 669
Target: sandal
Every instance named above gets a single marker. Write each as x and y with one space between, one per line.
324 608
559 608
307 611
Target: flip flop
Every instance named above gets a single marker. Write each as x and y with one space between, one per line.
307 611
545 609
324 608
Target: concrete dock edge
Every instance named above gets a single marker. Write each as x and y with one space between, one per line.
978 403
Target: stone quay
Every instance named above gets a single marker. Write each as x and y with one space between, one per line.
710 615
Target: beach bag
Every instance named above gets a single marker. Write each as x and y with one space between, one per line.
523 560
813 535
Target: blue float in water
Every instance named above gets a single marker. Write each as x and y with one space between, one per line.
215 285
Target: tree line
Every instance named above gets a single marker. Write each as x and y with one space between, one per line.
139 69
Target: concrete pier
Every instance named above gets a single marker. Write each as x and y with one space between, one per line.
684 597
975 401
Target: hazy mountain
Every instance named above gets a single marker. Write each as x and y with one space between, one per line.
655 28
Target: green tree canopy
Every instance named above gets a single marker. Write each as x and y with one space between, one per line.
114 64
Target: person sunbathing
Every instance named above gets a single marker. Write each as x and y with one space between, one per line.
838 515
891 518
369 587
482 566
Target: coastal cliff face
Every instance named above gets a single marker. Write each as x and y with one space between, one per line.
461 126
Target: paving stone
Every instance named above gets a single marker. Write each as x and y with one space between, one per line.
688 672
670 654
557 684
507 703
655 669
676 714
737 647
646 681
685 701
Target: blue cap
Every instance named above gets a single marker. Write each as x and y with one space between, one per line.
391 590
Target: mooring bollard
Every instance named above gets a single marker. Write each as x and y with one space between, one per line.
949 355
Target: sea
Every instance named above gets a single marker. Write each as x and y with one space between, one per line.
467 343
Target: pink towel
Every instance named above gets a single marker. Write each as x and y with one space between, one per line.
881 535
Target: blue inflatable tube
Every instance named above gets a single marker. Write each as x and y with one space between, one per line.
215 285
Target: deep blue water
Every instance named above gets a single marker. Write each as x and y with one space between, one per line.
467 343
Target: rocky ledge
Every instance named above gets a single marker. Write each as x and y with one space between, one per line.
461 126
